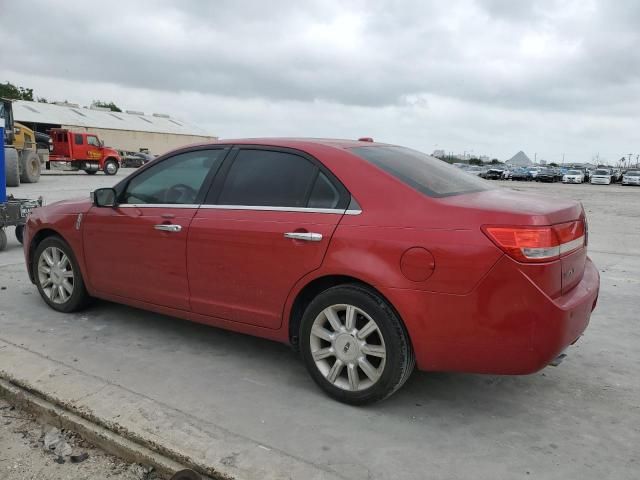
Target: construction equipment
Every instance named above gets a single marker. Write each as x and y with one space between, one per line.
24 155
13 211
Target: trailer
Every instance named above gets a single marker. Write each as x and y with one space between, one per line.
13 211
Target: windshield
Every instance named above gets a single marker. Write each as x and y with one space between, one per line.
574 172
601 172
633 174
422 172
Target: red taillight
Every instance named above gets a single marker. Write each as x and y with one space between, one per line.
538 244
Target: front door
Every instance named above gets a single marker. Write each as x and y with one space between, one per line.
266 226
137 250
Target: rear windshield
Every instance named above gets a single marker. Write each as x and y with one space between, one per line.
422 172
601 172
574 172
632 174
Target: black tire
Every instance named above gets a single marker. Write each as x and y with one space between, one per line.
30 167
110 167
399 361
91 172
12 167
20 233
3 239
79 298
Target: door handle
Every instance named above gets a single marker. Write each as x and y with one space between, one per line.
168 227
306 236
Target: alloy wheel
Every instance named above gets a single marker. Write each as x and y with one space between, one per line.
55 275
348 348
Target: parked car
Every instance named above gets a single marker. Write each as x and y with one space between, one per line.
534 171
291 240
632 177
573 176
601 176
494 174
547 175
521 174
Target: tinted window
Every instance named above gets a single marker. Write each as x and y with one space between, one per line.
264 178
422 172
78 139
601 172
324 194
176 180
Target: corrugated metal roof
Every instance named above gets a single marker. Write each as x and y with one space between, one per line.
69 114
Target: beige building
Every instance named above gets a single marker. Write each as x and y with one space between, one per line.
130 130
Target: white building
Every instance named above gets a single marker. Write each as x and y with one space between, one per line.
130 131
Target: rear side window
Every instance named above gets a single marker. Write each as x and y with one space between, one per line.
78 139
422 172
324 193
267 178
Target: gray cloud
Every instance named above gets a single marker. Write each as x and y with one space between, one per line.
548 57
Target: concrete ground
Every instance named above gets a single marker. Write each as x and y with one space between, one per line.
23 455
246 407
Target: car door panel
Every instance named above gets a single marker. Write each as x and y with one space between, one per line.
242 267
127 256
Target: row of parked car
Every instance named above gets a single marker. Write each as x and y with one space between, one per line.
601 176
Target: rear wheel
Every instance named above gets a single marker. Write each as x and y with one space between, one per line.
12 167
20 233
30 163
110 167
58 276
354 345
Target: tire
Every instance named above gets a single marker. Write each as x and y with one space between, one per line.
90 172
20 233
110 167
30 167
12 167
388 358
3 239
54 247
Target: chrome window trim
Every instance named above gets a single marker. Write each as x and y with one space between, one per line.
158 205
335 211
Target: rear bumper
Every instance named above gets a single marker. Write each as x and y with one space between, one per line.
506 326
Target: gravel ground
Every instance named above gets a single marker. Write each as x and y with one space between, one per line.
23 455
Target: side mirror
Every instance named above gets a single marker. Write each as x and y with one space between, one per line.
104 197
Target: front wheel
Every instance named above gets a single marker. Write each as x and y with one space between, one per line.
110 167
354 345
58 276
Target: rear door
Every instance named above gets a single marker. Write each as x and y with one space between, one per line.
266 223
137 250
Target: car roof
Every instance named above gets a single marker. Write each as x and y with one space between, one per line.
293 142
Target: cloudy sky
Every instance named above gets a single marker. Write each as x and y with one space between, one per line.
488 76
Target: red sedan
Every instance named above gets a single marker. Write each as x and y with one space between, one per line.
367 257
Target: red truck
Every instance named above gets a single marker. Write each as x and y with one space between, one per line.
83 151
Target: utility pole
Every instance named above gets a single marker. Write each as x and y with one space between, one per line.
630 159
563 159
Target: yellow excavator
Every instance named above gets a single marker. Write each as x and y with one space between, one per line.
23 157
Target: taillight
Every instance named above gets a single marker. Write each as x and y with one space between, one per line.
538 244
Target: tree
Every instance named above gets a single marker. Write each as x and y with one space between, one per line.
553 164
475 161
110 105
42 100
11 91
495 161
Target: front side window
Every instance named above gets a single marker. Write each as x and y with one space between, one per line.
93 141
268 178
422 172
177 180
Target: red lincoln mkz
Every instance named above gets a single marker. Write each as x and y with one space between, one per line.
367 257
